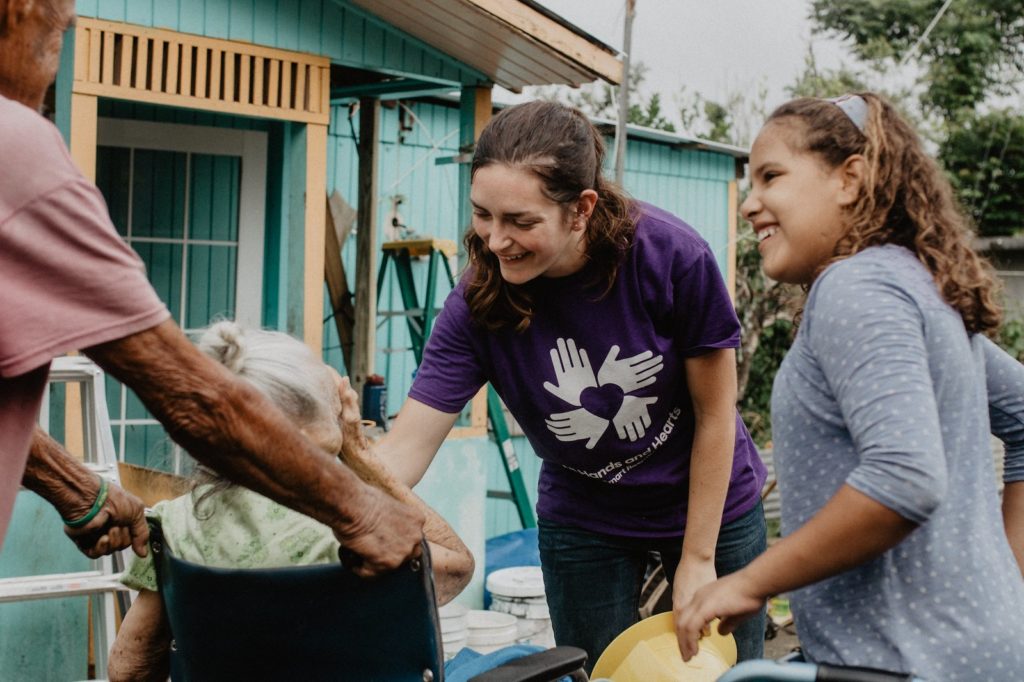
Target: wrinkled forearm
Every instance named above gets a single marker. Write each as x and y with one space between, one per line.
59 478
229 426
141 651
453 563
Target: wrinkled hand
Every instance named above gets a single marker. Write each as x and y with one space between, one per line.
632 419
572 371
577 425
629 374
350 417
385 535
120 523
732 598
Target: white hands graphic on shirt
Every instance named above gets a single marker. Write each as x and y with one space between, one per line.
629 374
573 372
632 419
577 425
575 375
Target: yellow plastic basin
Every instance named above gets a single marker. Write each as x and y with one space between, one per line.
648 652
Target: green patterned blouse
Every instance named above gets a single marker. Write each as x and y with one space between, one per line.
235 528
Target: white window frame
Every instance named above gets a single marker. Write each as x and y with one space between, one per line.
251 146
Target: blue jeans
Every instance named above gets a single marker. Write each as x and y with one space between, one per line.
593 581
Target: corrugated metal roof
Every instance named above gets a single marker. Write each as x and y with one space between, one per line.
516 43
682 139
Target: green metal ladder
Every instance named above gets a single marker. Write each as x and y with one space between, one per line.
421 318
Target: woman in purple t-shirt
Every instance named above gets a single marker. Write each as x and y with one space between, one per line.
604 325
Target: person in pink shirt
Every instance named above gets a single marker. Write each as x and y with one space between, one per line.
67 282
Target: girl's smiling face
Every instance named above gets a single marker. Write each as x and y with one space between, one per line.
796 203
530 234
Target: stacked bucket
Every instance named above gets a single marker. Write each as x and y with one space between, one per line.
454 628
490 631
519 592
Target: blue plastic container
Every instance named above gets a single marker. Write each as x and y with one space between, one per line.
375 404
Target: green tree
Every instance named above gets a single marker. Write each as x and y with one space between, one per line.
766 310
974 51
985 160
598 100
973 55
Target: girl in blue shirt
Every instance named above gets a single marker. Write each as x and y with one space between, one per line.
895 550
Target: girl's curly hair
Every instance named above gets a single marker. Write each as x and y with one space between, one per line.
905 199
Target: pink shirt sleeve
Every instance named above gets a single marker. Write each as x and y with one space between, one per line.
67 279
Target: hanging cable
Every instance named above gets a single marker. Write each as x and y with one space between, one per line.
927 31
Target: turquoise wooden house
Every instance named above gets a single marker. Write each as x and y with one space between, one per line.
217 130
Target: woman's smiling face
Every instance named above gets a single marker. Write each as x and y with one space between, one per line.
531 235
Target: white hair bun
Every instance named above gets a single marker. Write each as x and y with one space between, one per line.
224 341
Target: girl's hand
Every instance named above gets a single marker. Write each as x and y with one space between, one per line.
733 599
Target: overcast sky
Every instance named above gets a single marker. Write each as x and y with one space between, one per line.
713 47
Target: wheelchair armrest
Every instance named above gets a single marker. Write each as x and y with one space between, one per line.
542 666
801 671
840 673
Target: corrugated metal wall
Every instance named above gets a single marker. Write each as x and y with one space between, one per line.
692 184
411 140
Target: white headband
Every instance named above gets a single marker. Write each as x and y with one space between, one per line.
855 108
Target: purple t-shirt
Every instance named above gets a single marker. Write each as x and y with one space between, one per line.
598 385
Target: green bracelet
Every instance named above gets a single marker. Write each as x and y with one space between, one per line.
101 498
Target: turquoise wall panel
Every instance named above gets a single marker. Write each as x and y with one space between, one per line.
411 140
41 639
460 466
213 197
211 284
342 32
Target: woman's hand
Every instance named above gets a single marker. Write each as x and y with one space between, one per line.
691 575
733 599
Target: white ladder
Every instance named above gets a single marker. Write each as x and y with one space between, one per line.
101 583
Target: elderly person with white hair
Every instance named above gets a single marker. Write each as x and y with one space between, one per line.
224 525
69 282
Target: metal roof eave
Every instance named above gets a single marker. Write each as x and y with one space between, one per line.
682 140
510 41
677 139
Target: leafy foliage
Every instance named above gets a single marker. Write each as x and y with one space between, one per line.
985 160
974 51
1011 337
766 309
755 405
598 100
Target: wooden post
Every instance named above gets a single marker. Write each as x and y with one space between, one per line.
84 117
366 245
475 111
730 276
313 266
337 284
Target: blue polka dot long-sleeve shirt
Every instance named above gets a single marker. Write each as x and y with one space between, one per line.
885 391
